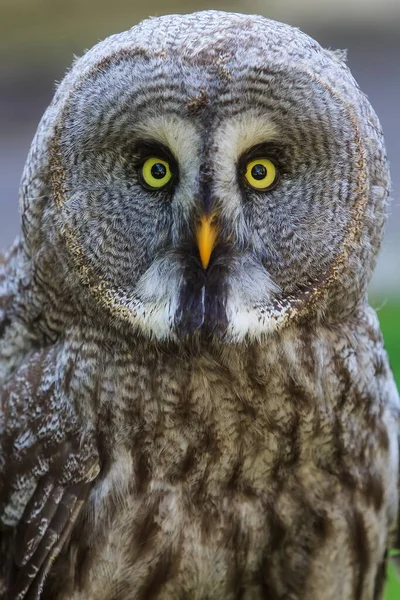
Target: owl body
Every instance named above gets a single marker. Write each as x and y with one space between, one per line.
196 400
278 489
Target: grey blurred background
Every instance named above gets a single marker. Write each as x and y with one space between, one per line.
38 39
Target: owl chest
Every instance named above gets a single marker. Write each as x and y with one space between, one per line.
211 488
214 530
209 435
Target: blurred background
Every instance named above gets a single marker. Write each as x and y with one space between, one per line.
38 39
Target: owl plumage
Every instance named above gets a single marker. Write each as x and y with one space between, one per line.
197 419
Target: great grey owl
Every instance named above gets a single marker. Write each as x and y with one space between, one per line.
196 400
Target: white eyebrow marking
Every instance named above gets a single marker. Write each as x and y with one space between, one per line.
179 135
236 135
242 132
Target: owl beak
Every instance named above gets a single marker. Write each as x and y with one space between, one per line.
206 235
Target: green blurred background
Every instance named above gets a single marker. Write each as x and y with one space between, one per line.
38 39
389 316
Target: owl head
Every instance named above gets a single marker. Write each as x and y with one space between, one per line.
213 173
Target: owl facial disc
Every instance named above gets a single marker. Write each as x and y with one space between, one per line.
151 135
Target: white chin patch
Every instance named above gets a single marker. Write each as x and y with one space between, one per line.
244 323
158 294
251 291
249 324
157 320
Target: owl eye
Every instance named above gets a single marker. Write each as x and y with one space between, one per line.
261 174
155 173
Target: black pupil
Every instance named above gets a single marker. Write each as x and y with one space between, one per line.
158 171
259 172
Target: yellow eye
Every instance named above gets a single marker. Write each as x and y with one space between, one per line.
261 174
155 173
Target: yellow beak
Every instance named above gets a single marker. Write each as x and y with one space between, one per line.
206 234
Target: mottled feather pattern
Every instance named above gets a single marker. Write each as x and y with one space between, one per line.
174 432
248 493
41 478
